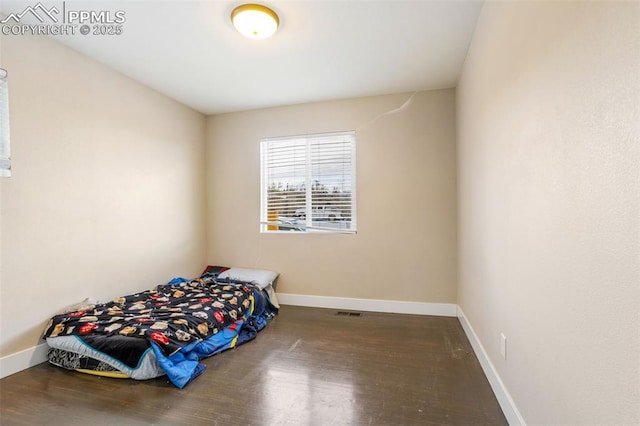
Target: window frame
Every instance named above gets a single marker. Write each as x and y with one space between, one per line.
5 140
308 228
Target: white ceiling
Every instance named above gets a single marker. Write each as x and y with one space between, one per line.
323 49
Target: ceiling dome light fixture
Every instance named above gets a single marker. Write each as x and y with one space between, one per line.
255 21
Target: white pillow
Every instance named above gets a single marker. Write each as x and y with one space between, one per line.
259 277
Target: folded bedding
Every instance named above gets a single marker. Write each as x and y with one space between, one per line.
166 330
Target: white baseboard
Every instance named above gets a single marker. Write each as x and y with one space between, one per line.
499 389
22 360
371 305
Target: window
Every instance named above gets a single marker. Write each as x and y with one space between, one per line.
5 154
308 183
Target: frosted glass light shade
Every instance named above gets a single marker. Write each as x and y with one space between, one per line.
255 21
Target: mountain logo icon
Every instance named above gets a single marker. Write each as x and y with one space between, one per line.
38 10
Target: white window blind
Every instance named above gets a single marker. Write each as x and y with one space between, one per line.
5 152
308 183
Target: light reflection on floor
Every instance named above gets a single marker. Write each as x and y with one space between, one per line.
292 396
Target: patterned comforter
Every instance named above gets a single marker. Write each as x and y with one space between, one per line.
178 320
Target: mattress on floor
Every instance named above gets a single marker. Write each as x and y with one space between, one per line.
162 331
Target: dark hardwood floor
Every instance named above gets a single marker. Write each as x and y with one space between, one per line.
308 367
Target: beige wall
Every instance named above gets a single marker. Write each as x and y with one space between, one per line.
107 187
549 190
405 248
